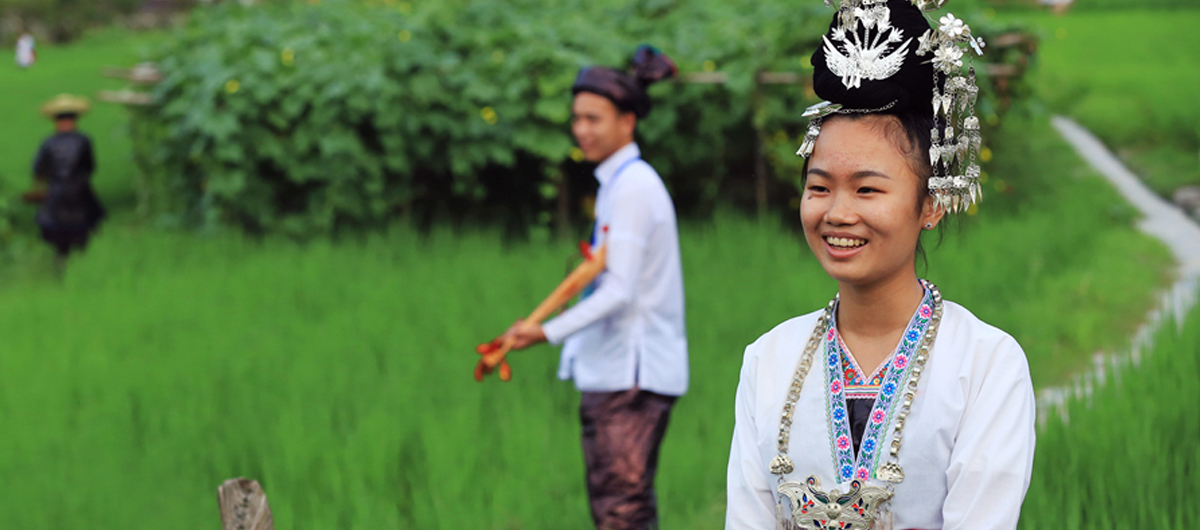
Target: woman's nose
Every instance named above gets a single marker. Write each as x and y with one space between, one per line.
841 210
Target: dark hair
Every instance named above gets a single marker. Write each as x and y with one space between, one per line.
907 89
911 133
627 90
66 116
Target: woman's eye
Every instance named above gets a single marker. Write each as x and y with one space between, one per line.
867 190
817 189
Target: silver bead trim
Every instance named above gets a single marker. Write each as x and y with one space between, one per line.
781 464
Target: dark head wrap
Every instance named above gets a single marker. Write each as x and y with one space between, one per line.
908 89
627 90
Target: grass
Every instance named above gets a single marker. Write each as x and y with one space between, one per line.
1129 457
1134 88
338 373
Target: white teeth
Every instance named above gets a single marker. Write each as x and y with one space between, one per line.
846 242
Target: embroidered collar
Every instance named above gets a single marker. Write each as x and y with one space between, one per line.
858 386
892 375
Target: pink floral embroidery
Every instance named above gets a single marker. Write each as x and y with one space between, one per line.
843 442
877 417
861 474
835 387
832 334
901 360
926 312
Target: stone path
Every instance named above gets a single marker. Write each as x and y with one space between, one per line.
1160 219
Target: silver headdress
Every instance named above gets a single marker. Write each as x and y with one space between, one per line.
864 45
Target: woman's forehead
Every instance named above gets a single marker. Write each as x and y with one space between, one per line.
856 145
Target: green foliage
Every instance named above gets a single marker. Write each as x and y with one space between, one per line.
304 119
1140 5
1129 455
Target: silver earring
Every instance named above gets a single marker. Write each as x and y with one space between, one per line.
929 226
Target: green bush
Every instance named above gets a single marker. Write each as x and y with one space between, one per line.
311 118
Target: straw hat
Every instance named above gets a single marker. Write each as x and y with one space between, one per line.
66 104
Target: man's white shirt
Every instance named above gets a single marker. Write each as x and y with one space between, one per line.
630 331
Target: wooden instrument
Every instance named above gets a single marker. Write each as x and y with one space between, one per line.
494 352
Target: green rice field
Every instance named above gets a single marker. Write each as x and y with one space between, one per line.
1128 457
338 373
1137 93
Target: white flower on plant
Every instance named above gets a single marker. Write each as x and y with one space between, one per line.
953 27
948 58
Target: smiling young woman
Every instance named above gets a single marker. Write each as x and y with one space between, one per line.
864 206
896 366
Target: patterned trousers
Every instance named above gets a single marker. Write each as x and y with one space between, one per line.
622 432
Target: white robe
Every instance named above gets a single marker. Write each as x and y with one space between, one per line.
968 444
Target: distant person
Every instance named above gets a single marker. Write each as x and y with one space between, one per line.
26 54
70 210
624 343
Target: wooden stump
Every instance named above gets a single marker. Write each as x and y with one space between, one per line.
244 506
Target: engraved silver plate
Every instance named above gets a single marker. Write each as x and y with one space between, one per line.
891 472
857 509
878 54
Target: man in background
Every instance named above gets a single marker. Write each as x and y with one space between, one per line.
624 343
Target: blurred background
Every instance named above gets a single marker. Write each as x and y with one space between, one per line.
317 208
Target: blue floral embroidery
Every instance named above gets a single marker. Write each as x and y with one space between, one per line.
835 398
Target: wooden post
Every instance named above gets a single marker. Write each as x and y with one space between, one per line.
244 506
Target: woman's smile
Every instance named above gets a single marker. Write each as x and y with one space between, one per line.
843 247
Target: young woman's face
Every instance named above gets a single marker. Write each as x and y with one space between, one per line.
861 207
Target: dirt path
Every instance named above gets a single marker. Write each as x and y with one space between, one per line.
1160 219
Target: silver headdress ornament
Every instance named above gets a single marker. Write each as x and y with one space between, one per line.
879 53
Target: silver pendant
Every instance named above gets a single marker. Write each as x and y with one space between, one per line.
781 465
891 472
857 509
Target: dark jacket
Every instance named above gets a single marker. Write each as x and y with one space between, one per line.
65 161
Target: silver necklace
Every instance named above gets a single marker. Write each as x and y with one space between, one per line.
862 505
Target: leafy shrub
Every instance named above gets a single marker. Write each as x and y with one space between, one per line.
310 118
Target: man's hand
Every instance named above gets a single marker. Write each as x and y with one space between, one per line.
525 335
